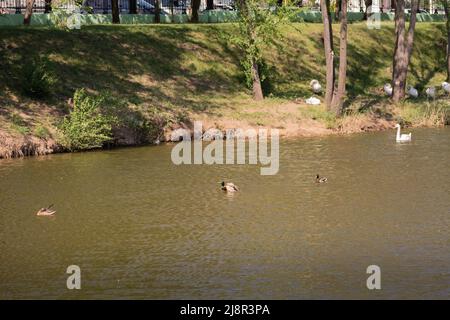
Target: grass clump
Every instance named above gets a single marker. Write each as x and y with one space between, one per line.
321 114
86 127
426 114
18 124
38 81
41 132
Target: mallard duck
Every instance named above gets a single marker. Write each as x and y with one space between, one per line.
46 211
229 187
321 180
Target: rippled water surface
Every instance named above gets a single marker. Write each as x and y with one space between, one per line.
140 227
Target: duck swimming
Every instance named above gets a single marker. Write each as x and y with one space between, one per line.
321 180
46 211
229 187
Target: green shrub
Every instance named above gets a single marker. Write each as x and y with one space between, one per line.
86 127
38 81
18 124
41 132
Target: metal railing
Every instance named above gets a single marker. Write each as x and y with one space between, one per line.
104 6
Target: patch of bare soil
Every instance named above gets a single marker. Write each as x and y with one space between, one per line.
19 146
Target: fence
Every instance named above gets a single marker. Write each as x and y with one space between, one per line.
104 6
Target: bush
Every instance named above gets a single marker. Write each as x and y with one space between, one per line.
19 125
424 114
41 132
38 81
86 127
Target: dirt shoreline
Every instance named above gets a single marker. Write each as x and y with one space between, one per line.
21 146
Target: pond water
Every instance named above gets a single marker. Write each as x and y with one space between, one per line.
139 226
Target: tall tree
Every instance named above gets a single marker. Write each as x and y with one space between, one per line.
157 11
209 4
48 6
403 47
195 6
368 3
329 53
334 95
28 12
247 10
338 98
445 3
115 11
259 27
133 6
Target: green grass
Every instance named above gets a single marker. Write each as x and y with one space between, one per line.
192 69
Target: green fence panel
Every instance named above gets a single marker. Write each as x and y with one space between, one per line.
11 19
203 18
387 16
213 16
355 16
312 16
137 18
180 18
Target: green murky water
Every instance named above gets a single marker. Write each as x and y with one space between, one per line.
140 227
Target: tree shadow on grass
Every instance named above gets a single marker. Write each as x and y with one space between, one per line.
143 64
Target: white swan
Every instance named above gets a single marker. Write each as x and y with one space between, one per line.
446 86
402 137
431 92
388 89
313 100
412 92
315 86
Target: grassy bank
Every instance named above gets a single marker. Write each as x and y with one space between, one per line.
157 76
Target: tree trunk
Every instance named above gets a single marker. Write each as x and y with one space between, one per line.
133 6
157 11
399 63
338 97
115 11
209 4
337 10
403 48
412 27
251 34
257 89
447 24
368 3
329 54
28 12
195 7
48 6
